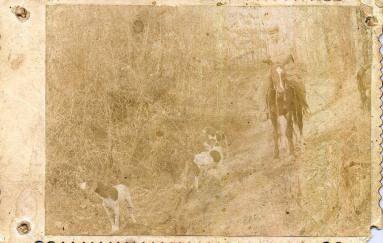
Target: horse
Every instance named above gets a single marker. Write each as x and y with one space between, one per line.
285 98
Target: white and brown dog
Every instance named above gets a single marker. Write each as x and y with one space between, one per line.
213 154
112 197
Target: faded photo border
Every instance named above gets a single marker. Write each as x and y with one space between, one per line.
22 129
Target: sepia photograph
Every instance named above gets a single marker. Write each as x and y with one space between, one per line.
206 120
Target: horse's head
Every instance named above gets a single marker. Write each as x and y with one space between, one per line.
278 80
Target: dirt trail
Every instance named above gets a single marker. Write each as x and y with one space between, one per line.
257 195
255 185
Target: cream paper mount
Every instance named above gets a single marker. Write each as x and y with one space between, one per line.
190 121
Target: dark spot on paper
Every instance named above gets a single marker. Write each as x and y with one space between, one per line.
371 21
154 3
15 60
138 26
23 227
21 13
220 4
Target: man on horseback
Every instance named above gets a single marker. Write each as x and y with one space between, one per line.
286 94
279 52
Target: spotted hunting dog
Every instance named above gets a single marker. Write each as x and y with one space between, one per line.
112 197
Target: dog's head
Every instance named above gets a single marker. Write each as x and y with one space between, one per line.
215 137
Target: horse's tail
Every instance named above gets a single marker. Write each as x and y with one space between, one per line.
296 113
301 109
300 99
267 108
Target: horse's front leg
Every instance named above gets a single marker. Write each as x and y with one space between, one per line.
289 132
274 121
